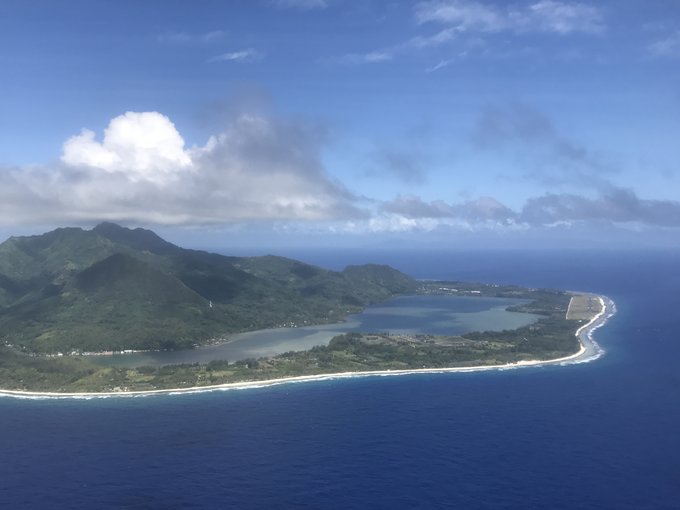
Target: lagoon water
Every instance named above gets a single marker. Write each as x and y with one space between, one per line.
435 315
599 435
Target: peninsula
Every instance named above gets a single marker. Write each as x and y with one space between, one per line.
74 291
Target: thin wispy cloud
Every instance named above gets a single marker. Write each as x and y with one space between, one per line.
562 17
462 14
241 56
445 63
543 16
389 53
304 5
668 47
371 57
466 21
185 38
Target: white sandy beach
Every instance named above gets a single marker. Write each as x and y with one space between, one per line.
589 350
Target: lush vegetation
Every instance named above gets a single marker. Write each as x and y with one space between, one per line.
113 288
551 337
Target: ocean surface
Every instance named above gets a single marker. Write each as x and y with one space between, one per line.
598 435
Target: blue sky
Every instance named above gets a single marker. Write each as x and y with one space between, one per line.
439 122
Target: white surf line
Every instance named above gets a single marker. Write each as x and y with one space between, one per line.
585 332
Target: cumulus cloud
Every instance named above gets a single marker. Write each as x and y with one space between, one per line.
486 209
411 206
271 170
481 213
262 168
143 146
542 16
242 56
480 210
394 223
257 168
617 205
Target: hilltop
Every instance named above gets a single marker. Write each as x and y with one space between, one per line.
114 288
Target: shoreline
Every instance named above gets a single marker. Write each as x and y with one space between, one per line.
589 351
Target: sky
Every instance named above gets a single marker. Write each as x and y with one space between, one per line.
343 123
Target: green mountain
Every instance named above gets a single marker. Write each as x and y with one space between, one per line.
114 288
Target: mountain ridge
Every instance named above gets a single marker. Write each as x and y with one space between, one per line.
112 287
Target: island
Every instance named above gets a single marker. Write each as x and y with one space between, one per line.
72 295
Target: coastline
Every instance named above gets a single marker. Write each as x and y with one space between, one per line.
589 351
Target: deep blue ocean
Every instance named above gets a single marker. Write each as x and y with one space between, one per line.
599 435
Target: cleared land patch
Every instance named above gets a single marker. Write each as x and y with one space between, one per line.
583 306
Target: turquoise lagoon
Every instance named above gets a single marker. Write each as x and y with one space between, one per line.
434 315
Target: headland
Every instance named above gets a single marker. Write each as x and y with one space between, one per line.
588 350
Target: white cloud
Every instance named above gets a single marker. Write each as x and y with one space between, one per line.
542 16
397 223
270 170
445 63
372 57
470 18
615 205
142 146
247 55
389 53
564 18
403 223
463 14
479 211
258 168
